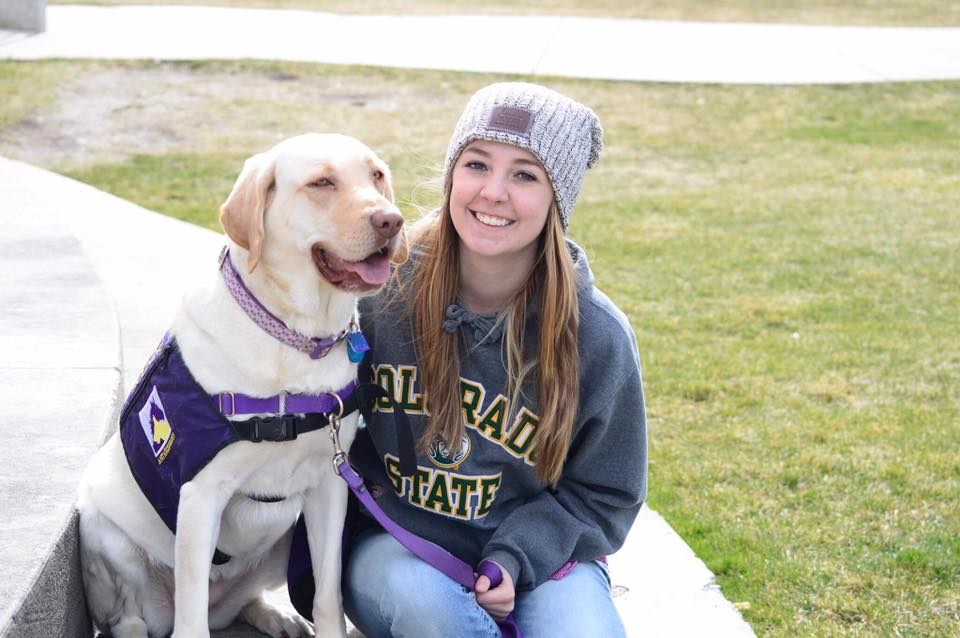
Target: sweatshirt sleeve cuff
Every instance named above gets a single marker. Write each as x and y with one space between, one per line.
508 562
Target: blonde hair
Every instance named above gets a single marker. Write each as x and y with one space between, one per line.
431 286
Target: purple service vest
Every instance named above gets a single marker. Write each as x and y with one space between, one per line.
170 429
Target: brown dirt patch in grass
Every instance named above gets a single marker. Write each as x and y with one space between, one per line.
112 113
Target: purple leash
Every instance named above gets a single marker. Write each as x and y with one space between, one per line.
428 551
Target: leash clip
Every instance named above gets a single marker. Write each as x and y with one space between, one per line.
338 454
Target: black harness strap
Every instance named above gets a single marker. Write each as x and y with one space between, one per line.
282 427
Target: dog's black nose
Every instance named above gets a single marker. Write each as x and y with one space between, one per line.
386 223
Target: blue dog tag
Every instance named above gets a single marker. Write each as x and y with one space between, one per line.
356 346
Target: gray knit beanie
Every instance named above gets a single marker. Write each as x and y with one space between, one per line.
562 133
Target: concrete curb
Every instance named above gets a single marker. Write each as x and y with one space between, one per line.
54 604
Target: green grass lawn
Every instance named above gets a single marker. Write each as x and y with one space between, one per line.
789 258
860 12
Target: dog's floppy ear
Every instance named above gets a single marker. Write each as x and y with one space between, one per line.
243 212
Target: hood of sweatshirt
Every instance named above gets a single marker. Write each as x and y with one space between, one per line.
481 329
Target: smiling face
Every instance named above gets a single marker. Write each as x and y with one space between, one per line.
500 197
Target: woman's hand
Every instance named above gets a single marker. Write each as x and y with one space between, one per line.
498 602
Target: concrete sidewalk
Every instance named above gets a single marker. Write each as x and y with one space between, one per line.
616 49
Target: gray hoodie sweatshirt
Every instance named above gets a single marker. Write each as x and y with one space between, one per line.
483 500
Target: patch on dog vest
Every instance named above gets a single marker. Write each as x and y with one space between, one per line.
156 427
511 119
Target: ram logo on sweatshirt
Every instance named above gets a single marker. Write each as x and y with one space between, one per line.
443 456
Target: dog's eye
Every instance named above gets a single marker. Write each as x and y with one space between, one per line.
323 182
377 175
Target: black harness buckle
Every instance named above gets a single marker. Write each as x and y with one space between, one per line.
276 428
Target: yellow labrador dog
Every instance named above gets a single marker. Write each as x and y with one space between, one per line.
311 226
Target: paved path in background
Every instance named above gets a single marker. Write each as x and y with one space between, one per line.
642 50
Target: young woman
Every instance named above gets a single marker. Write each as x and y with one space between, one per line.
522 382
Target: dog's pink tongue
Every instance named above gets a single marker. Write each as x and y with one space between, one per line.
374 270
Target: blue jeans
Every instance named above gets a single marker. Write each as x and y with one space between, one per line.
389 592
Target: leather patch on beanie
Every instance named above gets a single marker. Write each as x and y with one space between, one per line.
510 119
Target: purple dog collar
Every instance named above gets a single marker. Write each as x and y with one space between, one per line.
315 347
234 403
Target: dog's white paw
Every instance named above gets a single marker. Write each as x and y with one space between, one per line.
274 621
